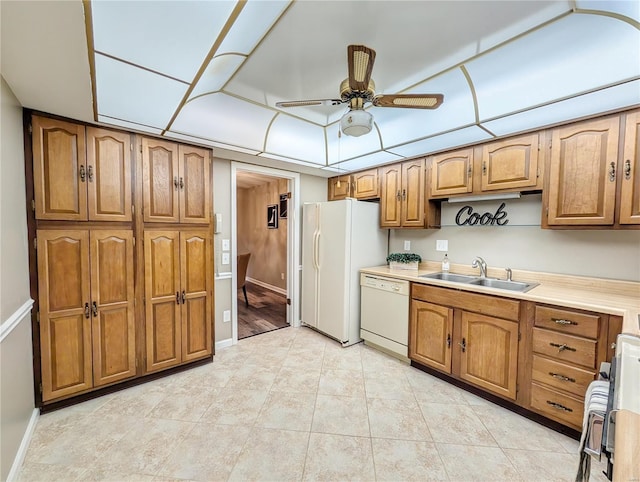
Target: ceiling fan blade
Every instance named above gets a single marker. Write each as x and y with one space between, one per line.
409 101
303 103
360 59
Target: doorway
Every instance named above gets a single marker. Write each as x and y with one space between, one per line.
264 229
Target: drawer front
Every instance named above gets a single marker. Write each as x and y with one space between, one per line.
566 321
557 406
560 375
563 347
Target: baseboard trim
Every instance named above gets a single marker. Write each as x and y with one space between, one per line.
24 445
224 343
10 323
267 286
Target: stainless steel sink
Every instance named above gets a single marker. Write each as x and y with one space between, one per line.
503 284
455 278
488 282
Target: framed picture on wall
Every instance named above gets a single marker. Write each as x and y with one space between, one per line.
283 205
272 216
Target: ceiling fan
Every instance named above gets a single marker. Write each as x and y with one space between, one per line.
359 89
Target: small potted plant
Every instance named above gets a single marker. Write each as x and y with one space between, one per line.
403 260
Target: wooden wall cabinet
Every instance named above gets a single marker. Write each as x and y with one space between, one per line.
359 185
178 297
87 331
80 174
176 184
592 182
505 165
481 349
402 197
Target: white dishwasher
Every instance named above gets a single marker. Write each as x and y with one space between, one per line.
384 313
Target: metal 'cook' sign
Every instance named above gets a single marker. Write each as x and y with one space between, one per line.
466 217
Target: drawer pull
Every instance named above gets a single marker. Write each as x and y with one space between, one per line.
557 406
562 347
562 377
560 321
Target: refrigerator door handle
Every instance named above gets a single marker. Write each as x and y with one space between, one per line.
316 250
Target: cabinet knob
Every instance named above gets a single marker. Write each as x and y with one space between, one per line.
562 347
90 173
83 174
562 377
184 298
175 182
87 310
94 309
448 340
177 297
627 169
484 168
561 321
463 344
181 184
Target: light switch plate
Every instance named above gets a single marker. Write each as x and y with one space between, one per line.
225 245
225 258
407 245
442 245
226 315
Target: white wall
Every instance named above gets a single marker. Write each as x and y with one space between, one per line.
16 375
522 244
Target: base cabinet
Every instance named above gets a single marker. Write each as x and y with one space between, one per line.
87 331
177 297
477 348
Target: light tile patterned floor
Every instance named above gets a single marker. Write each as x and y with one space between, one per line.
294 405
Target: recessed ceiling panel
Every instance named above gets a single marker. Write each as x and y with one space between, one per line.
225 119
253 22
296 138
129 125
375 159
136 95
560 60
208 142
398 126
604 100
166 36
626 8
217 73
449 140
344 147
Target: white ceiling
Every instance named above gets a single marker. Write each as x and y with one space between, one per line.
211 72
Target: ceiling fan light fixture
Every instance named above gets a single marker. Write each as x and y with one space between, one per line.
356 123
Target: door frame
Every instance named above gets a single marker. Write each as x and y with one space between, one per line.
293 242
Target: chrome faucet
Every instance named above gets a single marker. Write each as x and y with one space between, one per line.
478 261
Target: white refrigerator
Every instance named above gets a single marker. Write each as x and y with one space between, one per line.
338 239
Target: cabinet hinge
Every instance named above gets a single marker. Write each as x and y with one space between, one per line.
131 147
38 316
140 148
517 387
538 172
35 243
40 387
519 336
133 209
289 195
31 132
136 363
134 240
33 204
289 301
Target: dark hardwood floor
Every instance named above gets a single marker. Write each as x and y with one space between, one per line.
267 311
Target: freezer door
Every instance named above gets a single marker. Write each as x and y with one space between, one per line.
310 274
333 243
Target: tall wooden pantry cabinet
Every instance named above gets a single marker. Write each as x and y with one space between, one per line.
121 267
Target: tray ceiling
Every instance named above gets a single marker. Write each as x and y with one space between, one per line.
211 72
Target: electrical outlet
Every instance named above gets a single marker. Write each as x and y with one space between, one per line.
442 245
281 275
226 316
225 258
225 245
407 245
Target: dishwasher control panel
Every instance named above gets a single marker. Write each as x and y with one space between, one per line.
385 284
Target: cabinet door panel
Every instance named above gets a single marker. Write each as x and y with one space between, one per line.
413 194
430 336
339 187
630 192
581 188
161 181
112 292
490 356
195 203
390 196
65 328
512 163
195 259
366 185
59 159
451 173
162 295
108 175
